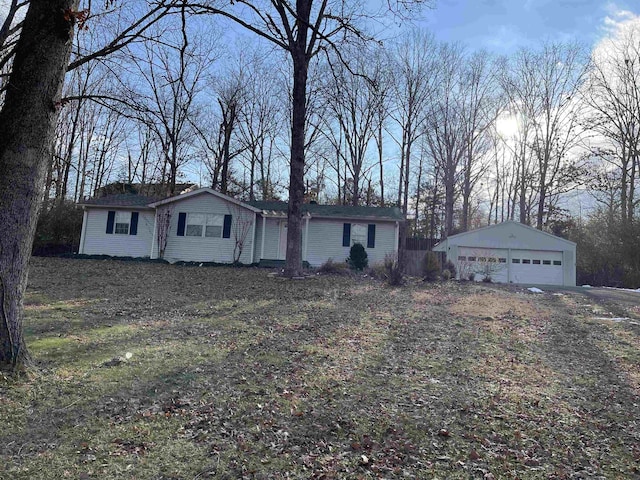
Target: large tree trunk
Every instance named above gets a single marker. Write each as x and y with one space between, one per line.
293 266
27 123
380 162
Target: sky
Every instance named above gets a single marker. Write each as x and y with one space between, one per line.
504 26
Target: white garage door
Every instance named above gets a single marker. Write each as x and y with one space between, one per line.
526 266
483 262
536 266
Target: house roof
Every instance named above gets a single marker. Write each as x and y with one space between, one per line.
274 208
121 200
334 211
201 191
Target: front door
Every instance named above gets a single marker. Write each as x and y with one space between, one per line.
282 247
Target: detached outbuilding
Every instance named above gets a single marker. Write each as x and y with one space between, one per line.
511 252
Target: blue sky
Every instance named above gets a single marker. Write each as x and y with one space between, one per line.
503 26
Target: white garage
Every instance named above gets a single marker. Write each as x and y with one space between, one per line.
511 252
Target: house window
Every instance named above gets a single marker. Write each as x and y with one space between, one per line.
122 223
546 262
358 234
515 260
492 260
526 260
462 258
482 259
472 259
557 262
353 233
536 262
204 224
502 260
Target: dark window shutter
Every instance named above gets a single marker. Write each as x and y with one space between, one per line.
111 218
182 221
226 229
133 228
371 236
346 234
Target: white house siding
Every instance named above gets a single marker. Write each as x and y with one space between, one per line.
271 238
325 241
257 252
207 249
97 242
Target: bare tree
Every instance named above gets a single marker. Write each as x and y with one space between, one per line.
259 126
217 137
415 65
612 94
302 30
29 113
480 103
27 125
241 223
354 104
173 77
163 219
543 85
445 128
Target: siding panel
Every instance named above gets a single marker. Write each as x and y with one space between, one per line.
98 242
325 241
207 249
272 238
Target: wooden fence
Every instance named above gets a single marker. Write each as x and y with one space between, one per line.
415 250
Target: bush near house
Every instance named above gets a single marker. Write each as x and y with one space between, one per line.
430 267
333 268
449 265
358 257
58 230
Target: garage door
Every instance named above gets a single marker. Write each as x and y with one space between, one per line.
535 266
524 266
483 262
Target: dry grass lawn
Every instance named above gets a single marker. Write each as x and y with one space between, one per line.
236 374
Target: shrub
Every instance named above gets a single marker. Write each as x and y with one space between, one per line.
472 277
446 275
449 265
333 268
378 272
58 229
486 279
430 267
393 270
357 257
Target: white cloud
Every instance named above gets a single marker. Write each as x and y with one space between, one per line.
618 20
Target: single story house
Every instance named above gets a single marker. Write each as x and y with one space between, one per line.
204 225
511 252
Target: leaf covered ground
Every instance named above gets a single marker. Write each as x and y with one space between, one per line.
234 374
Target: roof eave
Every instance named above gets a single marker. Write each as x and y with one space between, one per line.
201 191
128 207
368 218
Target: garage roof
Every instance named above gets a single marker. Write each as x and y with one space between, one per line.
509 234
